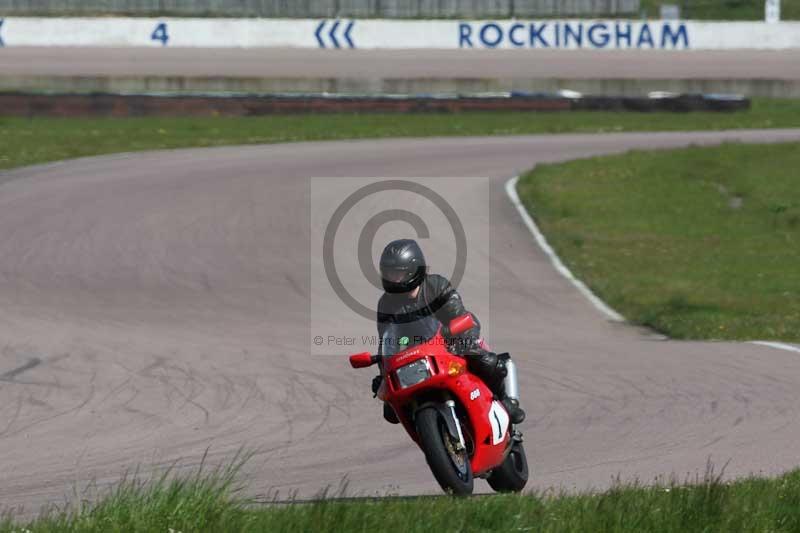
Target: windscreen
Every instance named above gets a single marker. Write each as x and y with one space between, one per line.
399 337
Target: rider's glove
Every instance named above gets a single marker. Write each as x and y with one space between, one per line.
376 384
463 345
446 332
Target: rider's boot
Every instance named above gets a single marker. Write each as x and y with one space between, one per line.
500 374
515 412
510 392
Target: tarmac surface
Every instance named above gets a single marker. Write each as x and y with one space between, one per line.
156 305
343 64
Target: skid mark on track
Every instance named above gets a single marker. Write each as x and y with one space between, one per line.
9 431
13 417
170 382
11 374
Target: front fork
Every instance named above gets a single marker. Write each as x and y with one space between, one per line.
447 411
452 405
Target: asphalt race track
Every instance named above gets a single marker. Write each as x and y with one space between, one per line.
344 64
155 305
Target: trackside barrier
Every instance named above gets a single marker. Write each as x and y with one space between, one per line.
71 105
398 34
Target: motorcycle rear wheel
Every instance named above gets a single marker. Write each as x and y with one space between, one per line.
512 475
450 467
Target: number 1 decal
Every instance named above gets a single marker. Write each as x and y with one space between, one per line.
160 34
2 44
498 419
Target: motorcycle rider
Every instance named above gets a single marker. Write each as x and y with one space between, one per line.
413 294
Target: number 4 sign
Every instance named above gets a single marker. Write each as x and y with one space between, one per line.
160 34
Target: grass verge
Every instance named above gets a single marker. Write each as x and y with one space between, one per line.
31 141
698 243
209 503
722 9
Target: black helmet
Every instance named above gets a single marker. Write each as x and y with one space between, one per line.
402 266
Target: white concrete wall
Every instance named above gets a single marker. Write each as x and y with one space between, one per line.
310 33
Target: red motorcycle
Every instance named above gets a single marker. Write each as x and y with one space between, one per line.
464 431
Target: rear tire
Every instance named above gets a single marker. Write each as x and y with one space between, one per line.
512 475
452 470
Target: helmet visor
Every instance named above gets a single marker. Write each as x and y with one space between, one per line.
395 275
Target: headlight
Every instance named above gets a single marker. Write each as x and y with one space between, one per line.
413 373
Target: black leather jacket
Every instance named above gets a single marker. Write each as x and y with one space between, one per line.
436 297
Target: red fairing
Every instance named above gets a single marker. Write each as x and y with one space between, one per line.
488 420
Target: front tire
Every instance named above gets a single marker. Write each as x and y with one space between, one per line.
512 475
450 467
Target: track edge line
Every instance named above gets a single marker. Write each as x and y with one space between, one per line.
777 345
561 268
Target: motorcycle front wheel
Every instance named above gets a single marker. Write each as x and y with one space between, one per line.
450 466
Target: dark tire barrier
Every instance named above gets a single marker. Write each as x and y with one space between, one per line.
125 105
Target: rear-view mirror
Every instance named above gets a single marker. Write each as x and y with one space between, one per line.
361 360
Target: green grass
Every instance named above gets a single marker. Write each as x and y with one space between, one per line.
699 243
211 502
30 141
723 9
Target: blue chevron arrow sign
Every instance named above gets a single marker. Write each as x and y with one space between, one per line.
333 41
